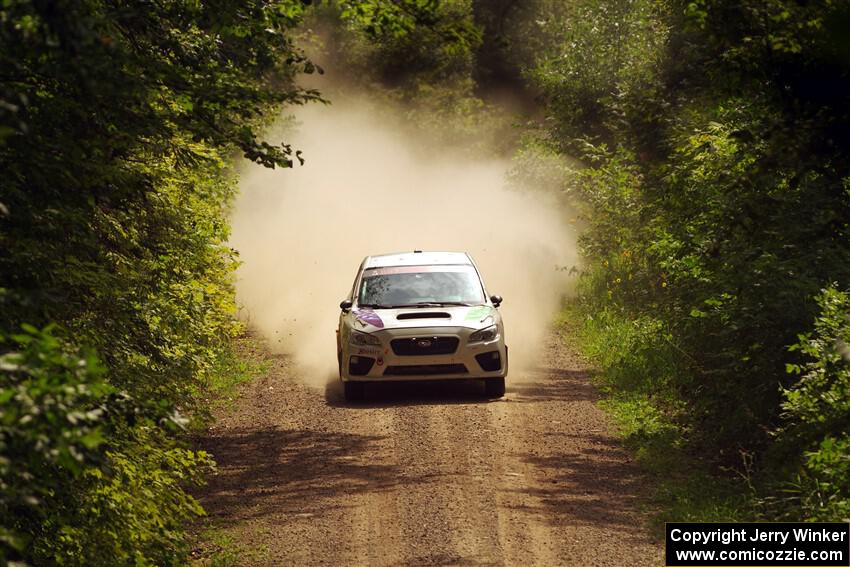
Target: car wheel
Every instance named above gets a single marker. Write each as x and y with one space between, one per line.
354 391
494 387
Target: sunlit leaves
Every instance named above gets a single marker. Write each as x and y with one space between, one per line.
817 409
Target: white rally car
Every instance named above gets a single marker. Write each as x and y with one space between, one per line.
420 316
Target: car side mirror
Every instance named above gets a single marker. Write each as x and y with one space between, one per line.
345 304
496 299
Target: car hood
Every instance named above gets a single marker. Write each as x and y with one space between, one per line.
473 317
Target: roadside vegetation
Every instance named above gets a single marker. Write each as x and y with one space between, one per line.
704 143
118 126
714 138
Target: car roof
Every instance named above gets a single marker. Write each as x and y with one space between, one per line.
417 258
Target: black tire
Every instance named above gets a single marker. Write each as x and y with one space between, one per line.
354 391
494 387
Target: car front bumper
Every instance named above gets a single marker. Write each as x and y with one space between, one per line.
383 364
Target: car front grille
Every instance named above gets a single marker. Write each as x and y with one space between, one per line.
425 370
422 346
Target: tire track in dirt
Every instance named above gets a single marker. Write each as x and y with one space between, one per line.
429 474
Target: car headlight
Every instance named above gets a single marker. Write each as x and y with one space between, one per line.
364 339
484 335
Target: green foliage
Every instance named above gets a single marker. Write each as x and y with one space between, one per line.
817 414
53 406
596 63
133 510
820 399
235 364
413 42
123 75
117 121
714 136
117 191
638 364
414 59
89 476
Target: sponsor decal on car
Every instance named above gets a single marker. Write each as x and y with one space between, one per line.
369 317
478 312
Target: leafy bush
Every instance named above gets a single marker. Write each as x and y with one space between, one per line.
133 509
88 476
715 191
53 411
596 62
117 123
817 413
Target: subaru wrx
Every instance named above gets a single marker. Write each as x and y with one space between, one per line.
420 316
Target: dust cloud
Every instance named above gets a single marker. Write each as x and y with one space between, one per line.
368 188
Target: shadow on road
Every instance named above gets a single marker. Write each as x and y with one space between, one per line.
570 385
586 476
545 384
595 484
274 471
397 394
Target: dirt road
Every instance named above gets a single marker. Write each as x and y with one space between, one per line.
427 475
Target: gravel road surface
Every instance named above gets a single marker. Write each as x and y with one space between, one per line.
427 474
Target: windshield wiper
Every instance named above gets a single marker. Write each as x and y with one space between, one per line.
437 304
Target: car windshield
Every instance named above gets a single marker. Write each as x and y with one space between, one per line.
420 285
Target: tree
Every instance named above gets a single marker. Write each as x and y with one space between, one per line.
117 124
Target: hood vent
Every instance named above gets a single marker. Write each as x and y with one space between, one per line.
424 315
